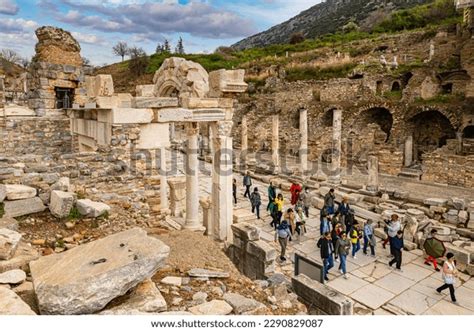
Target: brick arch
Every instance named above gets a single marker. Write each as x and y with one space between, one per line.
450 115
182 77
381 114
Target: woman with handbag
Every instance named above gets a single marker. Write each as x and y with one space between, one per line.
449 276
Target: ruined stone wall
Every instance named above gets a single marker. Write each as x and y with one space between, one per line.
449 169
57 46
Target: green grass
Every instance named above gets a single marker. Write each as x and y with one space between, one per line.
74 214
439 12
2 210
441 99
393 95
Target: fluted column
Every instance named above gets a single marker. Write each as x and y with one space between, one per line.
335 176
303 141
276 143
192 221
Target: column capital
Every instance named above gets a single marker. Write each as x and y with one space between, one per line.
192 129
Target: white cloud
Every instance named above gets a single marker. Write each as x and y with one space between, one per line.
87 38
8 7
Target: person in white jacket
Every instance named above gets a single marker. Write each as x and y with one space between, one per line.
392 229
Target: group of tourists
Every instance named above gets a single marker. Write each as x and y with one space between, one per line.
341 234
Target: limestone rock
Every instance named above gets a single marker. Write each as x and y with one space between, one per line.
241 304
214 307
175 281
23 207
3 192
9 223
19 192
11 304
199 298
90 208
8 243
410 229
207 273
23 256
85 279
61 203
458 203
13 277
63 184
145 298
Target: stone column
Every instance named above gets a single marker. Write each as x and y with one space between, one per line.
276 144
172 132
459 137
206 215
177 195
244 139
408 151
335 176
373 168
192 185
163 182
303 141
222 174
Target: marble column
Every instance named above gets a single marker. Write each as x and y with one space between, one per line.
177 195
408 151
276 144
373 168
206 215
163 181
303 141
335 175
222 174
192 221
244 142
172 132
459 137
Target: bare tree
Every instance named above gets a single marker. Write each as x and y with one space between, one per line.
121 49
10 55
138 61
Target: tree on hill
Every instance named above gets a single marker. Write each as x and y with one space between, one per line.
180 47
167 46
121 49
297 38
138 61
350 27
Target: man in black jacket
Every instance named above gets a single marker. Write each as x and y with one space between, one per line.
397 246
327 250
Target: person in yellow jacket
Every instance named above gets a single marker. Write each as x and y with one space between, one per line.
278 205
356 236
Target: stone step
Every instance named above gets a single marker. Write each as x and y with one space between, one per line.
411 173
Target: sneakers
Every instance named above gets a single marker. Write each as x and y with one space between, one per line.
346 276
439 292
326 279
282 258
427 263
354 257
342 272
437 269
398 270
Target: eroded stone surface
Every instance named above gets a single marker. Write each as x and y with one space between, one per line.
11 304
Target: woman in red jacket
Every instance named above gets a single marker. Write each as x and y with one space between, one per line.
295 190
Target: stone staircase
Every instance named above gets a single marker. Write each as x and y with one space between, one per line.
411 173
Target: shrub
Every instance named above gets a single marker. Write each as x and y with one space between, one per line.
297 38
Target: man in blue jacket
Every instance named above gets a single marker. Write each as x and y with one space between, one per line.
397 246
327 251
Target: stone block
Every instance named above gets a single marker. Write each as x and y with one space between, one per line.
145 90
90 208
246 231
23 256
104 86
463 216
63 184
262 250
458 203
13 277
131 116
317 202
409 246
9 241
461 255
61 203
214 307
19 192
85 279
241 304
154 102
436 202
9 223
12 304
3 192
322 296
196 272
23 207
154 136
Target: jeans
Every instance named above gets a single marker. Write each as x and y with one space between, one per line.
355 248
342 265
247 191
397 258
330 210
392 251
367 243
328 264
451 290
276 219
306 211
283 242
257 209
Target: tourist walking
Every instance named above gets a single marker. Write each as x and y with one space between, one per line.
305 197
335 235
349 220
247 184
256 201
369 238
392 229
327 250
295 191
273 209
283 234
234 190
342 250
356 236
329 200
290 217
431 253
279 210
271 195
449 276
396 245
343 210
325 223
300 218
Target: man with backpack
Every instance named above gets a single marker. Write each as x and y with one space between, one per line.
283 234
327 250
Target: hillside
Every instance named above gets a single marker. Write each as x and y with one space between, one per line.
328 17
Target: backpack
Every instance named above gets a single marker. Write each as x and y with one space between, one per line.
282 230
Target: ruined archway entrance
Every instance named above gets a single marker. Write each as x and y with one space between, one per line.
379 116
468 132
431 130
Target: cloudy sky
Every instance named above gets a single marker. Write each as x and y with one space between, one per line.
99 24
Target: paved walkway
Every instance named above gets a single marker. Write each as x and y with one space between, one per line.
376 288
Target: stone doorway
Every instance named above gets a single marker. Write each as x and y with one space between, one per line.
64 97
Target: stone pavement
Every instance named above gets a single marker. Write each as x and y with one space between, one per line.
376 288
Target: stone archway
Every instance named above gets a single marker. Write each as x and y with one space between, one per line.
431 130
468 132
378 115
178 77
